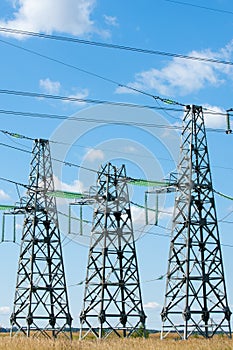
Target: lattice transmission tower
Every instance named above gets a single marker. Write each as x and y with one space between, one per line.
112 297
41 302
195 298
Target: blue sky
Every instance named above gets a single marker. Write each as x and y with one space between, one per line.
148 152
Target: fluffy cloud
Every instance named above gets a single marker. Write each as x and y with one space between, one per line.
69 16
4 195
215 120
214 117
152 305
49 86
111 21
4 310
130 149
165 213
55 87
76 186
94 154
81 94
138 215
182 76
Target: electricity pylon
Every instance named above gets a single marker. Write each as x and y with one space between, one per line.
195 298
112 297
41 302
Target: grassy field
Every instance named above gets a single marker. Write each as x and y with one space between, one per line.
152 343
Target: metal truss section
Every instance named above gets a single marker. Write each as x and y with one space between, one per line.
195 299
112 298
41 302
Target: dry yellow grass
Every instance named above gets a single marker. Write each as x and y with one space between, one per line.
152 343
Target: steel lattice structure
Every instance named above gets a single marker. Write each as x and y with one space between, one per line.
41 302
196 298
112 297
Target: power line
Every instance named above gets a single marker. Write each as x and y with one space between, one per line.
15 148
16 135
14 182
54 159
78 69
167 235
199 6
113 46
164 100
92 101
223 220
20 136
97 101
226 216
11 135
94 120
74 165
157 98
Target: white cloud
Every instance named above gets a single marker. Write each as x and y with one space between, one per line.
138 215
130 149
152 305
68 16
54 87
94 154
215 120
181 76
166 213
4 310
49 86
75 186
110 20
4 195
81 94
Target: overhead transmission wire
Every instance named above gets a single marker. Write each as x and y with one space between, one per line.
20 136
141 231
164 100
111 46
134 181
104 121
87 148
67 163
74 99
70 164
119 84
169 101
128 178
226 216
88 72
15 148
69 240
54 159
87 100
200 6
148 233
157 98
